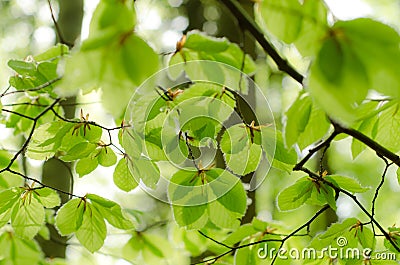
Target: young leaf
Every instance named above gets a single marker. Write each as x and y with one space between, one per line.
8 199
346 183
19 251
86 165
27 218
298 116
93 231
111 211
107 157
47 139
122 176
295 195
68 217
394 233
47 197
339 94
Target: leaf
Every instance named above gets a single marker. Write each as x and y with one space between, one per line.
298 116
190 217
200 42
107 157
27 218
394 233
47 197
8 199
366 238
68 216
222 201
19 251
330 60
246 161
47 139
295 195
147 171
201 47
22 67
111 211
138 59
86 165
122 176
282 18
338 93
93 231
337 235
346 183
52 53
78 151
388 129
398 175
379 55
273 145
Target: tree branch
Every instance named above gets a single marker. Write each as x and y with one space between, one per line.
246 22
379 149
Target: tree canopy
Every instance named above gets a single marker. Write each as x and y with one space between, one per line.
269 134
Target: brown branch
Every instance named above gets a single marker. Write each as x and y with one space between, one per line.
246 22
58 30
311 152
379 149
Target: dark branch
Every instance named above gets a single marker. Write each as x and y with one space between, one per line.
379 149
325 144
246 22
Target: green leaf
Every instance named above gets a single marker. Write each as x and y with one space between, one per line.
8 199
47 139
366 237
19 251
346 183
69 215
398 175
22 67
331 235
201 47
28 217
273 145
246 161
107 157
394 233
298 116
191 217
282 18
138 59
86 165
295 195
52 53
93 231
78 151
147 171
47 197
200 42
388 130
111 211
122 176
197 199
330 60
380 54
234 139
